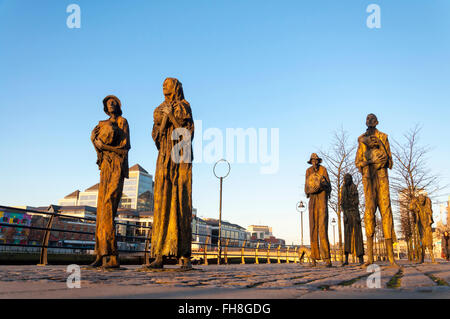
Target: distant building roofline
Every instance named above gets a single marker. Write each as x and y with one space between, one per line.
65 208
73 195
92 188
138 168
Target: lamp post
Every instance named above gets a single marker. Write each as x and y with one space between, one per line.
333 223
197 237
301 207
220 177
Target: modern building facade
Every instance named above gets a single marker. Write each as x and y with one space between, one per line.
259 231
137 192
235 234
263 234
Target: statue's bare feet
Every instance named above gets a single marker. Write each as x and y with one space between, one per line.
110 262
157 263
97 262
186 263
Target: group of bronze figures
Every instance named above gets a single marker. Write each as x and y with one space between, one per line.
171 234
373 159
171 231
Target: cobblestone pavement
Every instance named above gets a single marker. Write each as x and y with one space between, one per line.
230 281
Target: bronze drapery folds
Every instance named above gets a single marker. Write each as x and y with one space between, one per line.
353 237
373 159
111 139
318 189
423 215
173 131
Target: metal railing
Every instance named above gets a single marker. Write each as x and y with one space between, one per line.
52 214
244 251
206 251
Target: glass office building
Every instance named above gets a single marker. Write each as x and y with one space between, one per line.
137 192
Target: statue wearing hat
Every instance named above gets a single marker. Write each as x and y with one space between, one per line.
423 215
111 139
373 159
318 189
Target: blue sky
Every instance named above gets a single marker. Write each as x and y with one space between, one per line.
305 67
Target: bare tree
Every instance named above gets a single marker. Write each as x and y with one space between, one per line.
411 177
339 160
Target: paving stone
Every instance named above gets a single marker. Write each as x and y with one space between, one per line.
293 280
412 277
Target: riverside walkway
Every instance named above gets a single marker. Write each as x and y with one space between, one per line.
249 281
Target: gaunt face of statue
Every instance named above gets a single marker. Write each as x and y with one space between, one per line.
422 199
168 88
315 163
371 121
112 106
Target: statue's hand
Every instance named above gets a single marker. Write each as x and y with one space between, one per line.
375 141
381 158
94 132
167 109
366 163
99 144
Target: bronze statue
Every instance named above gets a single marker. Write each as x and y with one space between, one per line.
318 189
423 215
111 139
445 245
173 124
353 237
373 158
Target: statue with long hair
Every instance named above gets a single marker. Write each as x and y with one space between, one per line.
173 131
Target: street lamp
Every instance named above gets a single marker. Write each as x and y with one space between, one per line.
333 223
221 176
197 237
301 207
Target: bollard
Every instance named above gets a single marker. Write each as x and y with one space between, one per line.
278 254
268 254
43 257
226 250
256 254
287 255
242 253
205 262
